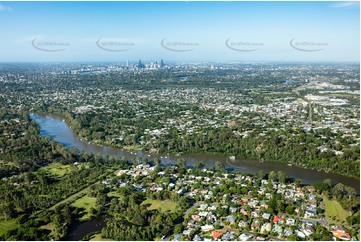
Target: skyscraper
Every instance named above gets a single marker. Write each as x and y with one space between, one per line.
140 64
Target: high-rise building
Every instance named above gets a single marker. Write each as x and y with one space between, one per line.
161 63
140 64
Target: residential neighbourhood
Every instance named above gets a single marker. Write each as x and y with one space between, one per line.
245 207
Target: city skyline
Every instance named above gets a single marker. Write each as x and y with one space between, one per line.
180 31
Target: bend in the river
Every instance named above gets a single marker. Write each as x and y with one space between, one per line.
59 131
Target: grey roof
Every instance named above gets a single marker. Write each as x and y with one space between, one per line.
228 236
266 215
177 237
231 218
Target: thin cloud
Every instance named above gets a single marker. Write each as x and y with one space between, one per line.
4 8
348 4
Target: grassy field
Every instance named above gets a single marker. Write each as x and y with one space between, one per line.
72 197
334 211
87 203
97 237
57 169
50 227
165 205
115 194
6 225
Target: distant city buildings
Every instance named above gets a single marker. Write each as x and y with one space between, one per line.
91 69
161 63
140 64
151 65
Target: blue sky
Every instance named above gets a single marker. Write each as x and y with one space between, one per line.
191 31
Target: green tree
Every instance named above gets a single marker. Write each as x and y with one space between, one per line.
260 174
290 209
157 161
281 177
272 176
182 163
199 164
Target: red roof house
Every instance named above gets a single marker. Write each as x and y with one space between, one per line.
216 234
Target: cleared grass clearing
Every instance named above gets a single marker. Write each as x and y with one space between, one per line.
335 212
72 197
163 206
6 225
87 203
50 227
98 237
57 169
115 194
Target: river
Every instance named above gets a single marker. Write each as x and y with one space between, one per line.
59 131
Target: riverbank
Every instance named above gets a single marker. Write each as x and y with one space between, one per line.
59 130
315 164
